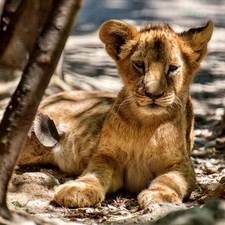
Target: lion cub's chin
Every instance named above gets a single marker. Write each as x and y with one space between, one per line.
153 109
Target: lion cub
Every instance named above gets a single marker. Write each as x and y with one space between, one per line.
141 139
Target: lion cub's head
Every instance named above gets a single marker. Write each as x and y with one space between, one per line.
156 64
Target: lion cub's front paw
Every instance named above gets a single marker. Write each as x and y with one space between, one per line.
148 196
78 194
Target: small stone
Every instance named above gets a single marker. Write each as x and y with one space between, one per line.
104 212
202 149
220 143
197 132
200 141
50 208
219 112
209 168
210 144
214 161
98 205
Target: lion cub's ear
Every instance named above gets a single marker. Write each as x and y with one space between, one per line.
114 34
198 38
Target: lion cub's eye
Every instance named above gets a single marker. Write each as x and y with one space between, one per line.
140 65
172 68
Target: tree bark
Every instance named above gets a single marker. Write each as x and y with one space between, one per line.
24 102
23 21
10 14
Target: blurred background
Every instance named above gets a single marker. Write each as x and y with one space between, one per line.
184 13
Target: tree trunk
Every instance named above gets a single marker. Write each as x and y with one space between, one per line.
21 110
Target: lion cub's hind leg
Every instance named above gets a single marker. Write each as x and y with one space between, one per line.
42 137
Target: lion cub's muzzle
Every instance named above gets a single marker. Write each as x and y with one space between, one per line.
154 89
153 94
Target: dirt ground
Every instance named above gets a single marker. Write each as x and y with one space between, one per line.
87 66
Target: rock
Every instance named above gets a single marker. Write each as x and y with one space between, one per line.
213 191
159 210
31 191
213 213
26 219
192 216
152 213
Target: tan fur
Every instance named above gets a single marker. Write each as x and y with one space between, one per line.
141 140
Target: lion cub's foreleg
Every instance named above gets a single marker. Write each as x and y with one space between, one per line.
102 175
172 187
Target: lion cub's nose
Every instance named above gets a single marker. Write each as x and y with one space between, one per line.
154 89
153 96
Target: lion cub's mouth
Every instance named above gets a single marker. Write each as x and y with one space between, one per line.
147 105
154 105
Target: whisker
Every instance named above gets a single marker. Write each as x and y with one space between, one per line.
127 100
177 103
140 82
166 100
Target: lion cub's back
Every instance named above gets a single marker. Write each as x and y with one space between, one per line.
68 109
79 117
